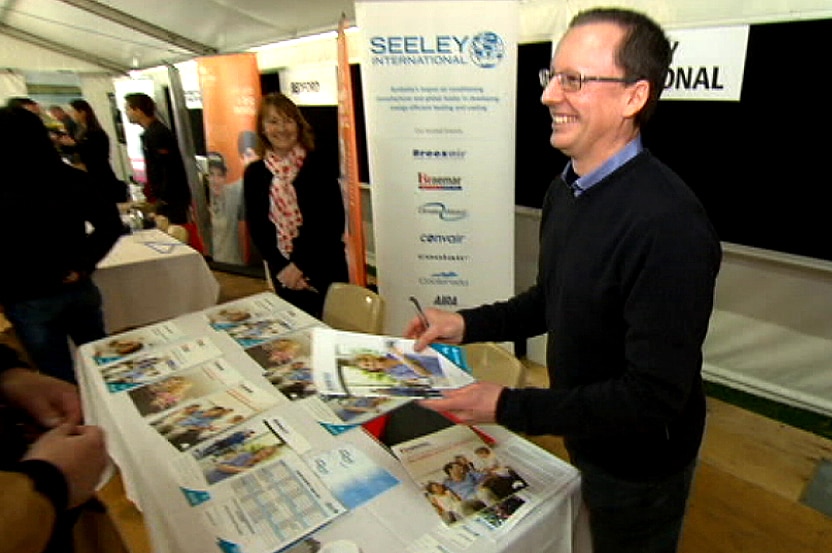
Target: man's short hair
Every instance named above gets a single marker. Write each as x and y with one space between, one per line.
141 102
644 52
216 161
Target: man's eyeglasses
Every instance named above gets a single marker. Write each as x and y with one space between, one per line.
572 82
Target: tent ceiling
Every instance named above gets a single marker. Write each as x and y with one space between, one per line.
132 34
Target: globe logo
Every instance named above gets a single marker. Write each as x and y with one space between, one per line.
487 49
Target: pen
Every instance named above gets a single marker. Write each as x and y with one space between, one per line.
422 316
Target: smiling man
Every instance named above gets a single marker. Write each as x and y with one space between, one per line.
628 264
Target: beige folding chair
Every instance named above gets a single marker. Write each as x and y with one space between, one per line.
179 232
492 363
354 308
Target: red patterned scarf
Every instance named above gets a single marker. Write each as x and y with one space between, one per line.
283 201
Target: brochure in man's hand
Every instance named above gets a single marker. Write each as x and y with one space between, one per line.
367 365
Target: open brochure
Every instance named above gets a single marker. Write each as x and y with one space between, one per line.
356 364
287 364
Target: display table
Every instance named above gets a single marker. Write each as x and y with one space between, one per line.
149 276
183 514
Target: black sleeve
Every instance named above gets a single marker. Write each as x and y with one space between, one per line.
100 212
522 316
48 480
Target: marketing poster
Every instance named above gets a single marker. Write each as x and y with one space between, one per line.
230 86
439 82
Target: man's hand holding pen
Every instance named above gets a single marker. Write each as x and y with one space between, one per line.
434 325
475 403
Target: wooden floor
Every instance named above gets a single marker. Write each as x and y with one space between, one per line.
746 493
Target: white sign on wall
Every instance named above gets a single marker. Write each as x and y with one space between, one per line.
708 64
311 85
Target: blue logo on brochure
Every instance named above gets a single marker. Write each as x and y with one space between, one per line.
487 49
195 497
228 547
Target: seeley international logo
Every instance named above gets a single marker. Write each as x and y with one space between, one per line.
485 49
442 211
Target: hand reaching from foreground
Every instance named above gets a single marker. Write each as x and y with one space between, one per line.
78 452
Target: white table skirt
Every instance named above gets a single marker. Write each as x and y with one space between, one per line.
149 276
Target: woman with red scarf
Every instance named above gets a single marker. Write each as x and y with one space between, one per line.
294 208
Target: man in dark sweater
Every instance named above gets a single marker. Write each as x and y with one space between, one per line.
627 268
166 177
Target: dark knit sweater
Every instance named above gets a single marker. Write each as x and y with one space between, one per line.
625 291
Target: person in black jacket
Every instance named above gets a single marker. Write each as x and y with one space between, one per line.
628 264
294 208
167 182
48 252
92 147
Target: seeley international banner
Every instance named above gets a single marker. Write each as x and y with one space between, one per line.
439 81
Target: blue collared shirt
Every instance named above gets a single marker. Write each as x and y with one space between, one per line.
625 154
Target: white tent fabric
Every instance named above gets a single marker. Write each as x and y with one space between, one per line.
11 84
119 35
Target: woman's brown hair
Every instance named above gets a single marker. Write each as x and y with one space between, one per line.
287 108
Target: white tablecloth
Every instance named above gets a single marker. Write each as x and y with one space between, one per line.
149 276
390 523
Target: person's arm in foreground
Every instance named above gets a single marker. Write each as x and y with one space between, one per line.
61 468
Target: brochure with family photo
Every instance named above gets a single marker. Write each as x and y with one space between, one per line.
232 313
253 490
143 368
462 476
187 385
286 363
257 320
117 347
197 420
356 364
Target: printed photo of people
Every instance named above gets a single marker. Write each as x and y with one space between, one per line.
184 386
228 317
236 452
351 409
251 333
196 422
390 372
132 373
286 364
115 349
470 482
